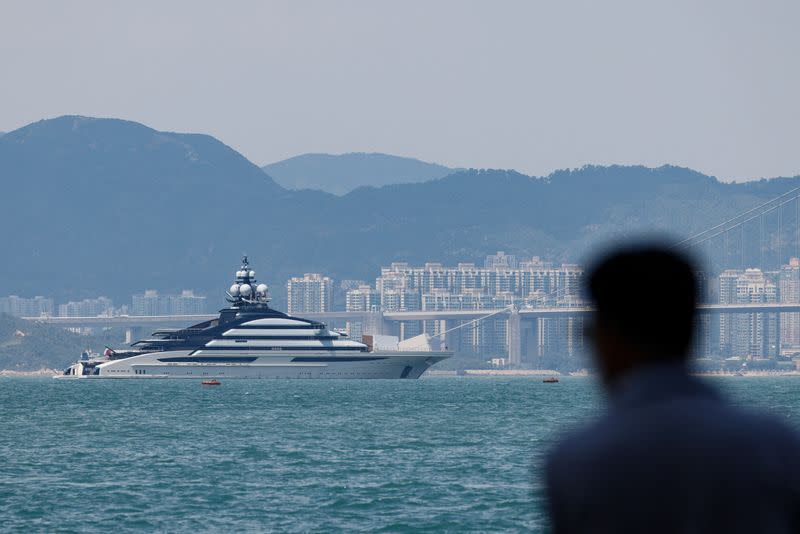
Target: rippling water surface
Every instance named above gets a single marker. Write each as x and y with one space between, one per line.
437 454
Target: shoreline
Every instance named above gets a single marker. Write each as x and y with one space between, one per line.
44 371
748 373
467 372
551 372
494 372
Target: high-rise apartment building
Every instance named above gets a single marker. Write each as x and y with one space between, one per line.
313 293
187 303
397 292
789 292
22 307
727 295
360 299
748 335
501 260
151 303
86 308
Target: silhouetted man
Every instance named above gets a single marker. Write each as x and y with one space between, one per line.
670 454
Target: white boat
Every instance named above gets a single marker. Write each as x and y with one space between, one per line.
250 339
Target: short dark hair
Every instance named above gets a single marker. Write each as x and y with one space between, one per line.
647 294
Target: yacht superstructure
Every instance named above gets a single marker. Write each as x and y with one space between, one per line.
250 339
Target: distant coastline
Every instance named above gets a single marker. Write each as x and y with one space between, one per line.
551 372
44 371
748 373
502 372
468 372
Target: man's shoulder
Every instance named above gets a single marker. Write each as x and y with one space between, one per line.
648 430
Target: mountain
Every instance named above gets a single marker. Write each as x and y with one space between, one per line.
340 174
109 207
88 202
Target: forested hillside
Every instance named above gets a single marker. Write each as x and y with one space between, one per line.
109 207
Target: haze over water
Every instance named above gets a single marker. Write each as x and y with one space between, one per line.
438 454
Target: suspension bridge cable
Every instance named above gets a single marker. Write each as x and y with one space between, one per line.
739 224
724 223
462 325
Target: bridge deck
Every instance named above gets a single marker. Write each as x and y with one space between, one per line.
128 321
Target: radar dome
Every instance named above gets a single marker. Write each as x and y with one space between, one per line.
245 290
252 274
261 289
234 290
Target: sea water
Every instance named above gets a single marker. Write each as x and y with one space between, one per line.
458 454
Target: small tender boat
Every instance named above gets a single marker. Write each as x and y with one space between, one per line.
550 380
212 382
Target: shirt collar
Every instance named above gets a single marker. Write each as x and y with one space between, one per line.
657 382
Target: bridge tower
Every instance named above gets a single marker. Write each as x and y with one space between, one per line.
514 338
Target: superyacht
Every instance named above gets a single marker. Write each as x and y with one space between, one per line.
250 339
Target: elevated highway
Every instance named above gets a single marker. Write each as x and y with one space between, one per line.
127 321
531 313
380 322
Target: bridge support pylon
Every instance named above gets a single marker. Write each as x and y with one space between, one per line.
376 324
514 339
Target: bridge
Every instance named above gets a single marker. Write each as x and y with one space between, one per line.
159 321
577 311
380 322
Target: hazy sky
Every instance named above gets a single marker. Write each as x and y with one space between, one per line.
534 86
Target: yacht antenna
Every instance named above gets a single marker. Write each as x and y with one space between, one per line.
245 288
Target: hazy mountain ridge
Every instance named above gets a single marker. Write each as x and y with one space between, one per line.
88 198
342 173
108 207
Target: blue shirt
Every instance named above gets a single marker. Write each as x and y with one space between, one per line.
671 455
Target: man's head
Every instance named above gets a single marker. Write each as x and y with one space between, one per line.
645 299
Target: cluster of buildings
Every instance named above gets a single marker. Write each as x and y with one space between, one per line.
87 308
501 281
151 303
148 303
22 307
504 281
754 335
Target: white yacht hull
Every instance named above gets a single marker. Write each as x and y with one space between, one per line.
308 364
